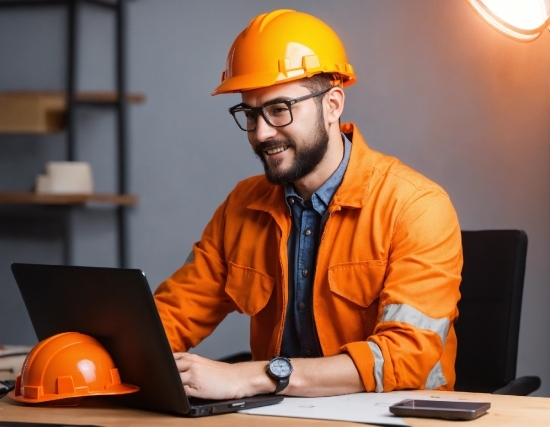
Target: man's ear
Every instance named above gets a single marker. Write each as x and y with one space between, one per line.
335 105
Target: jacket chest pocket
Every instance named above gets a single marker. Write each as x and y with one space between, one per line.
356 288
250 289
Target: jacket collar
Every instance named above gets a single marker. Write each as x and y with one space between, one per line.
353 192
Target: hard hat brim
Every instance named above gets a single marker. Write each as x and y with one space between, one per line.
256 81
114 389
248 82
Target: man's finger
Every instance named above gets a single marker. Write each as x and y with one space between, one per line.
190 391
183 364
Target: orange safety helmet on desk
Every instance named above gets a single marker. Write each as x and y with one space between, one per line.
68 366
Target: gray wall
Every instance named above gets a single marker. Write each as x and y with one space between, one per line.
436 87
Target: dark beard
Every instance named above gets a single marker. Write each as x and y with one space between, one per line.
305 160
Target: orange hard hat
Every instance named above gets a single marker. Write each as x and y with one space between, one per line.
282 46
68 366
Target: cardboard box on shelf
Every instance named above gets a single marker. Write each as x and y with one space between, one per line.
32 112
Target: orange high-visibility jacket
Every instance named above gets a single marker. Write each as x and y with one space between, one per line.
386 283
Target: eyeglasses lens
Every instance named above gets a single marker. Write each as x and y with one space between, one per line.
276 115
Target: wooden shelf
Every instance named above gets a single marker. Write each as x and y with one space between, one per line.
28 198
25 112
109 97
43 112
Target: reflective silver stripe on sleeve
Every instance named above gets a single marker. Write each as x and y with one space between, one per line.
407 314
378 366
435 378
190 258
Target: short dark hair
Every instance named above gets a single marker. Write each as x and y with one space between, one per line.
318 82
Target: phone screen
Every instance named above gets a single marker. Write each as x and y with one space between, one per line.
440 409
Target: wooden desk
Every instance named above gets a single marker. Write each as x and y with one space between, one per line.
506 411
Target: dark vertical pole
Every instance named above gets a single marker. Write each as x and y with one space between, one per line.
72 69
122 123
72 60
67 235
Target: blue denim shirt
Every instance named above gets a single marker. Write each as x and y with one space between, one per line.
308 219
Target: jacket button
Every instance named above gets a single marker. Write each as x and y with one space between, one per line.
305 273
308 232
302 305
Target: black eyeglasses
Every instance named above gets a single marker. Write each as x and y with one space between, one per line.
277 113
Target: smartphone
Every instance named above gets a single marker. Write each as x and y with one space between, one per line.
449 410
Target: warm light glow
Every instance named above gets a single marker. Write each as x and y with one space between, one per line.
523 14
523 20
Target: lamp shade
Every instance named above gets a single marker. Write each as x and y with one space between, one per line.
522 20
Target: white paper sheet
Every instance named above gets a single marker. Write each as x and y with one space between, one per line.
369 408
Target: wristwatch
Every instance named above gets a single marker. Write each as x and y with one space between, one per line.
279 368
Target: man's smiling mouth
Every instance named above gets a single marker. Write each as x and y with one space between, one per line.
275 150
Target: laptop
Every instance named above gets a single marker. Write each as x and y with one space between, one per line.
116 307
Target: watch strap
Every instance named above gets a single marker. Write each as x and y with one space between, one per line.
282 383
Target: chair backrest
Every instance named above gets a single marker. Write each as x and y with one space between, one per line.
489 308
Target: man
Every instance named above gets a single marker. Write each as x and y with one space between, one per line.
347 261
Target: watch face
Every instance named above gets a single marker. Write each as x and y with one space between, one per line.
280 367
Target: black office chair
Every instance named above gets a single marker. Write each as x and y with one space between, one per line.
489 313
